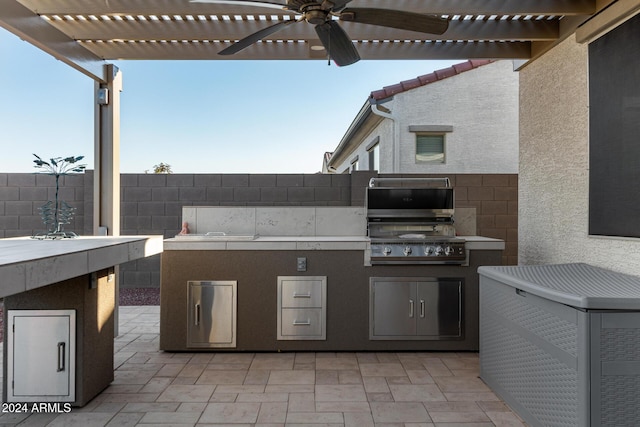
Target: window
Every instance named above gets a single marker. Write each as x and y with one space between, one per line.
430 142
374 157
429 148
354 164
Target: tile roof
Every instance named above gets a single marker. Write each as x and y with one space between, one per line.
426 79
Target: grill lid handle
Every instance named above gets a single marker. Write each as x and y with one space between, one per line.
414 182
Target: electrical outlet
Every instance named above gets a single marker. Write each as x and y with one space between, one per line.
302 264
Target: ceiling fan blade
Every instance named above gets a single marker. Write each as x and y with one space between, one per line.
269 4
255 37
337 43
430 24
338 5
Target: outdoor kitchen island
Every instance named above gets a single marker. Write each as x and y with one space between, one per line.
300 279
59 310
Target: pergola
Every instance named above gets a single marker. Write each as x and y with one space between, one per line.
86 34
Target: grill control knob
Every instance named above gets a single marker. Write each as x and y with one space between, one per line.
407 251
448 250
428 250
438 250
386 251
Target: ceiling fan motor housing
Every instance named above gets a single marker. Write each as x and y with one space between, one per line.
315 16
301 5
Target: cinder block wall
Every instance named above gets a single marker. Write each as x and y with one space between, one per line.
152 204
21 194
495 198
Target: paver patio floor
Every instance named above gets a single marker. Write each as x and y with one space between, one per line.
154 388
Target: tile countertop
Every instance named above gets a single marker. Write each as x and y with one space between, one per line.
345 243
27 263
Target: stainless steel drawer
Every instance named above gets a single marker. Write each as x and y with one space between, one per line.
302 307
301 293
302 323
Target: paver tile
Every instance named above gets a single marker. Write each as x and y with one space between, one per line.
292 377
383 369
399 412
230 413
186 393
340 393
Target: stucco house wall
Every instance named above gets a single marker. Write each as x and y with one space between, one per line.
554 157
480 104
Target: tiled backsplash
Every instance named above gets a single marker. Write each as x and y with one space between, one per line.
276 221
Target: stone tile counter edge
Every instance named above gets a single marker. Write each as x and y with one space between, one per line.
27 263
307 243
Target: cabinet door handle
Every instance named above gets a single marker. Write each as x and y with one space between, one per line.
61 356
297 295
197 314
422 308
302 322
410 308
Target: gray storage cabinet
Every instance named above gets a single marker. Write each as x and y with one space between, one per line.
561 343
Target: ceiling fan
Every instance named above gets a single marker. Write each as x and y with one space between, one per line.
335 40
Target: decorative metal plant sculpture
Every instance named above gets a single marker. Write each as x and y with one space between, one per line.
55 214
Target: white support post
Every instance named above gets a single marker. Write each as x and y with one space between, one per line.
106 178
106 185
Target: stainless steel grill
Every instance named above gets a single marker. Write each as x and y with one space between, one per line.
410 221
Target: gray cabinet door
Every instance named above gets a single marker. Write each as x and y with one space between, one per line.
394 308
212 314
439 306
41 356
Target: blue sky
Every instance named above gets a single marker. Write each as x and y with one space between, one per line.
197 116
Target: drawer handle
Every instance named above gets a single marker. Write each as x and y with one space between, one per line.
297 295
302 322
422 311
410 308
61 356
196 313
